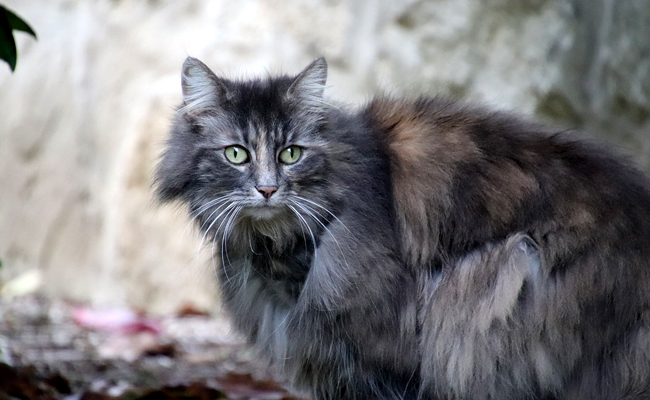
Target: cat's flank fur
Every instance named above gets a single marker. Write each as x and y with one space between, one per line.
415 248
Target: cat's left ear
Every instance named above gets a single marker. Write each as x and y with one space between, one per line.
308 86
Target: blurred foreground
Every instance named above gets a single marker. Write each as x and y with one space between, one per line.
59 350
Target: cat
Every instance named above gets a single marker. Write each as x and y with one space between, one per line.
415 248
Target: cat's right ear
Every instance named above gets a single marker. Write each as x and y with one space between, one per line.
203 91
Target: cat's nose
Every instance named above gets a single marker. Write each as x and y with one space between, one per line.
267 191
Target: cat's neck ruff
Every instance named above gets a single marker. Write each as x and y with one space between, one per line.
281 228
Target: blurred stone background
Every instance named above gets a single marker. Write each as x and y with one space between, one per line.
83 118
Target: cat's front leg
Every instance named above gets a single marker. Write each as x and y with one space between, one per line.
357 311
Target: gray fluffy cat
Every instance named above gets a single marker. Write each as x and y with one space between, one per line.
417 248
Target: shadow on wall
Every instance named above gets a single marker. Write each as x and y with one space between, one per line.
86 112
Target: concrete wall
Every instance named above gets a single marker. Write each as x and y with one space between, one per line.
83 117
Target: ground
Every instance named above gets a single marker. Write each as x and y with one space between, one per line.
58 350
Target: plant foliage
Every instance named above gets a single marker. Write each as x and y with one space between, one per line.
10 22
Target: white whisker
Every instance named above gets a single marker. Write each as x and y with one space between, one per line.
228 198
228 207
250 245
197 213
209 204
324 227
302 230
311 233
216 236
314 210
224 250
227 211
325 209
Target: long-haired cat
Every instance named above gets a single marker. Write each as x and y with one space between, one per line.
415 248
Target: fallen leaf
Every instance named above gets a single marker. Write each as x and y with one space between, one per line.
115 320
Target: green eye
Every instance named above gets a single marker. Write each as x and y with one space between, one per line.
290 155
236 154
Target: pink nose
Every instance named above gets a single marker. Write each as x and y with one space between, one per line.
267 191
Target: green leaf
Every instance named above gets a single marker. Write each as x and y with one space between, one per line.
10 22
17 23
7 44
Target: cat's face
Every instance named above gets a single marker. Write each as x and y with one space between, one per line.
264 165
249 149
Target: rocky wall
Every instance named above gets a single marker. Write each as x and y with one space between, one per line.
83 118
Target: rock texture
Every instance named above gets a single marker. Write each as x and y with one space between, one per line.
84 116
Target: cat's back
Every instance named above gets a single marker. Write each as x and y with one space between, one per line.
463 176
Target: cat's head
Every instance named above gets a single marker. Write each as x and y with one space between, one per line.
254 148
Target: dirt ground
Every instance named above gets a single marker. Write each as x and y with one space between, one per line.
58 350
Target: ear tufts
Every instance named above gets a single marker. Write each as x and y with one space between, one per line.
202 89
309 85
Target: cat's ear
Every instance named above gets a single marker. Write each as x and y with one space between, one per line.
307 88
203 91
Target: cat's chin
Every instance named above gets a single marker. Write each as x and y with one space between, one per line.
265 212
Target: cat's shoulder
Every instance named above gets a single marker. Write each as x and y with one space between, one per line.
425 129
